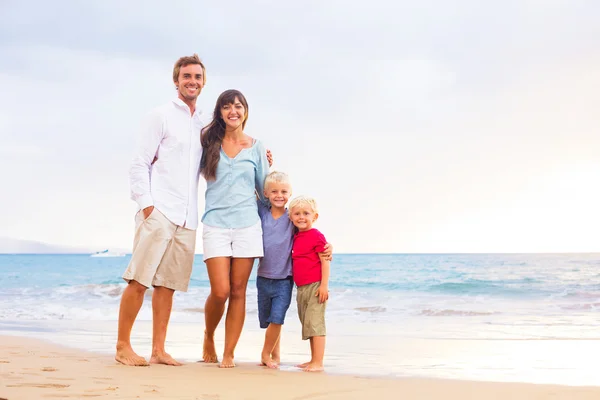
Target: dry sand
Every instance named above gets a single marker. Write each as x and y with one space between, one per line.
33 369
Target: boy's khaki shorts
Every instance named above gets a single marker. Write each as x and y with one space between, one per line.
310 311
163 253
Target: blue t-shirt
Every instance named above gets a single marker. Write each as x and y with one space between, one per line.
278 240
231 198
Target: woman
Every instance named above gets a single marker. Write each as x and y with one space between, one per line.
235 166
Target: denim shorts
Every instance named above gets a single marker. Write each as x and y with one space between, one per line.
274 298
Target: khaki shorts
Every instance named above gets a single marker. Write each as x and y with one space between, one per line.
163 253
310 311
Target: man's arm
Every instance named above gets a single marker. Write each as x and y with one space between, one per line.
328 251
144 156
323 291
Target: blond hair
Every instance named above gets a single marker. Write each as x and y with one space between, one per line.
304 201
276 177
184 62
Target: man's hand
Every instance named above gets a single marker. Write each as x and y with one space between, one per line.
147 211
269 158
328 252
322 293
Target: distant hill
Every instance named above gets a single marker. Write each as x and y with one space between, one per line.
17 246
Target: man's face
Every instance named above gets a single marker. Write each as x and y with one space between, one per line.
190 82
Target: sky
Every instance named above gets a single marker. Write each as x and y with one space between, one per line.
419 127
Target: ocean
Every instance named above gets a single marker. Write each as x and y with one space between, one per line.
496 317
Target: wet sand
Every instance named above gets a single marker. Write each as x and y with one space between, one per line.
35 369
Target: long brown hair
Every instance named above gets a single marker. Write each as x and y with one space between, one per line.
212 135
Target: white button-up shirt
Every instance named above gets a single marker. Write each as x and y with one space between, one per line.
172 135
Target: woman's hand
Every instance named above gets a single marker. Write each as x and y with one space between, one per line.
269 158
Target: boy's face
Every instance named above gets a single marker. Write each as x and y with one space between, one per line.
278 194
303 217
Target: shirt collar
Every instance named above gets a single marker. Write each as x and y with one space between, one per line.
180 103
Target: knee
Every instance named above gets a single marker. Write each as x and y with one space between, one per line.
219 295
137 287
238 291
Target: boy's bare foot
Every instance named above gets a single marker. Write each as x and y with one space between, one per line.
227 362
209 353
126 356
269 363
165 359
313 367
276 357
303 365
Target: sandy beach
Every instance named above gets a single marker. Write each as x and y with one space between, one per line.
34 369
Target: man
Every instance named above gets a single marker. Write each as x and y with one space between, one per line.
164 182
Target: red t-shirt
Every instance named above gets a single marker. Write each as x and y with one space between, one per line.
306 264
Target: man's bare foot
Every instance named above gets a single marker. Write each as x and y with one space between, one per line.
126 356
227 362
313 367
269 362
209 353
303 365
164 358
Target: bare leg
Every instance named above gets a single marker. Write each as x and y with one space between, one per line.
276 353
162 303
236 310
271 340
218 274
312 351
317 354
131 302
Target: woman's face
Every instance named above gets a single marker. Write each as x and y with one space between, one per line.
233 114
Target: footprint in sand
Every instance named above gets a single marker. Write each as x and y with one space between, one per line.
41 385
110 388
49 369
4 362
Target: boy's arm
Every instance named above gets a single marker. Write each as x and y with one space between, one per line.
323 291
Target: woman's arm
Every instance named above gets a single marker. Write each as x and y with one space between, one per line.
262 170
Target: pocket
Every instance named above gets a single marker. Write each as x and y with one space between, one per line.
151 214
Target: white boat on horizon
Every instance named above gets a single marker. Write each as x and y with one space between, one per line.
107 253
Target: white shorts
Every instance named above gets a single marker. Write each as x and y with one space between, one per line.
232 242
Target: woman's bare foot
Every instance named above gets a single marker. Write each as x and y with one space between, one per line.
227 362
164 358
126 356
303 365
313 367
209 353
